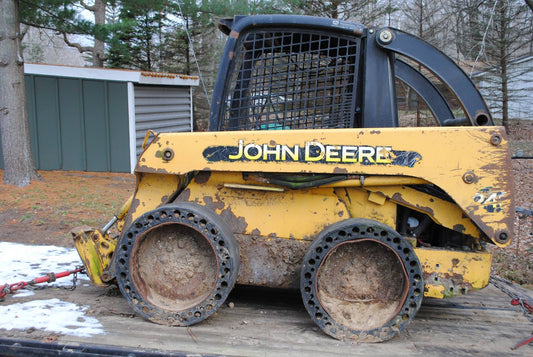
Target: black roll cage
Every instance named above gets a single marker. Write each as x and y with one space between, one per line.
378 68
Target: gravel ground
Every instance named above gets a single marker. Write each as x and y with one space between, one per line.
516 261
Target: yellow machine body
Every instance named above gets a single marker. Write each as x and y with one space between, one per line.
274 225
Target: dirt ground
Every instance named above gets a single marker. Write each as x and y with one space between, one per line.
45 211
516 261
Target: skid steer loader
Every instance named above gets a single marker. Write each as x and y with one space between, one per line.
305 180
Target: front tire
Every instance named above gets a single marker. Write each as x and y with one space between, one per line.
177 264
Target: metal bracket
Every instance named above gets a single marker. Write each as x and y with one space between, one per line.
443 67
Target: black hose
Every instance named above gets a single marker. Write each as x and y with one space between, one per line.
307 181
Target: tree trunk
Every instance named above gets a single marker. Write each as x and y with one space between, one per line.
188 50
19 168
504 65
505 94
99 45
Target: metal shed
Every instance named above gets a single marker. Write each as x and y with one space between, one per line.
90 119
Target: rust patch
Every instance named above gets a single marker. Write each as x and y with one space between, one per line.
237 224
212 204
135 203
184 196
398 198
459 228
270 262
455 262
491 167
488 230
202 177
453 284
150 170
339 170
234 34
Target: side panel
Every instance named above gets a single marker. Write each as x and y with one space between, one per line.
118 127
472 165
72 128
49 132
96 128
264 213
78 124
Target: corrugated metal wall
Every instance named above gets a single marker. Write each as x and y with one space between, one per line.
78 124
161 109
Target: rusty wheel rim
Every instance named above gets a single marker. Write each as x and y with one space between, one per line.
173 266
360 280
177 264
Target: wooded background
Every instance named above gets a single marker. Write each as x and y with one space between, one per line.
166 35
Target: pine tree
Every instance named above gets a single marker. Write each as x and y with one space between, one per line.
64 17
19 168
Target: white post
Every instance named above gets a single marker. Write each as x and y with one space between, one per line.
132 132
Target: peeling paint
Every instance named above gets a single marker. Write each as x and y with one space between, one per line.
212 204
339 170
202 177
459 228
237 224
399 198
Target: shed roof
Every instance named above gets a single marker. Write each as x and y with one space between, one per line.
121 75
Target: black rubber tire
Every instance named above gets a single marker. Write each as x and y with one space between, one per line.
164 286
361 236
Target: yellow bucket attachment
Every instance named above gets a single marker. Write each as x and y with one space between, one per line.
96 250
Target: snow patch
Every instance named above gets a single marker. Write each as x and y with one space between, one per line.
51 315
21 262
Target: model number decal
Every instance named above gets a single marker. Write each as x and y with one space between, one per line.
312 152
489 198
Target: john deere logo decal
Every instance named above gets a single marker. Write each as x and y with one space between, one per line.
311 152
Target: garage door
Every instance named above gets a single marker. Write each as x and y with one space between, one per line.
162 109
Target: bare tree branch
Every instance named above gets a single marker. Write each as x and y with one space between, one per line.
80 48
86 6
23 31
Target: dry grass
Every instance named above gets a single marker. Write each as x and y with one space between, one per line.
45 211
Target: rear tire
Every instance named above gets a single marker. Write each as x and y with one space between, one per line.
177 264
361 280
